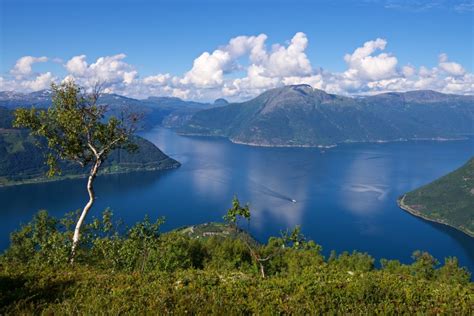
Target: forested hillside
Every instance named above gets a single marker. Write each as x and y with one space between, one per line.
448 200
302 116
21 161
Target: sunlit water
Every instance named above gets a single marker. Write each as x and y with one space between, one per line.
345 196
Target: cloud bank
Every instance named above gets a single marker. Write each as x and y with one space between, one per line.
246 66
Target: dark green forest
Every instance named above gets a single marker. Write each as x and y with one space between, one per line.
22 161
449 199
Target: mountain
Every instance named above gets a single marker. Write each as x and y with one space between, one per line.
153 109
11 99
21 161
448 200
299 115
220 102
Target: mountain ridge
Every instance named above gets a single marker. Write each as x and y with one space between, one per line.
298 115
21 161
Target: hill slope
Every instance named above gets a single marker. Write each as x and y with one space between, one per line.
448 200
302 116
153 109
208 270
21 161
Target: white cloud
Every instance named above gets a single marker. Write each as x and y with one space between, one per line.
77 65
34 83
160 79
451 68
43 81
291 60
108 70
363 64
208 69
408 71
23 66
253 45
245 67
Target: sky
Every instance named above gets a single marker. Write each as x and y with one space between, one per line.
202 50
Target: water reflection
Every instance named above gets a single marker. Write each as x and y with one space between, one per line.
366 184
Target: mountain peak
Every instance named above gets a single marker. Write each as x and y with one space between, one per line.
220 102
294 95
303 88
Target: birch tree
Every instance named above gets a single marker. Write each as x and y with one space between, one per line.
76 130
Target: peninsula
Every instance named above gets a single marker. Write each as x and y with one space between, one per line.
448 200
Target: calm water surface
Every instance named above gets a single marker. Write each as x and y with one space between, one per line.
346 196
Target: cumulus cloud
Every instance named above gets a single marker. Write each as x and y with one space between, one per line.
42 81
289 61
23 66
253 45
161 79
108 70
363 64
451 68
208 69
77 65
408 70
246 66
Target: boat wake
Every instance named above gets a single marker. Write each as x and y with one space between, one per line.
270 192
364 188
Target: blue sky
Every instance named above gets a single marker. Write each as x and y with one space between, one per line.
165 37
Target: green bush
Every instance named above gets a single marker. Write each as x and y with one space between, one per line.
140 270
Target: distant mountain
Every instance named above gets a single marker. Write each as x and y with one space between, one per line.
220 102
153 109
173 102
180 117
11 99
299 115
448 200
21 161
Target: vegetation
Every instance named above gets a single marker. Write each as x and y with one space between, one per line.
75 131
302 116
448 200
139 270
21 161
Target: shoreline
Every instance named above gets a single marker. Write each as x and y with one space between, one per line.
44 179
281 146
378 141
408 209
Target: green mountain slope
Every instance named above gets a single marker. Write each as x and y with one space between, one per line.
302 116
21 161
448 200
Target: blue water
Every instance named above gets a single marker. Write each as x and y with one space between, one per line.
345 196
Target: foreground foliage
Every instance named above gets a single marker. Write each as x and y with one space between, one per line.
140 269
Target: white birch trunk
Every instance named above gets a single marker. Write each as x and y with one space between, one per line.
87 207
